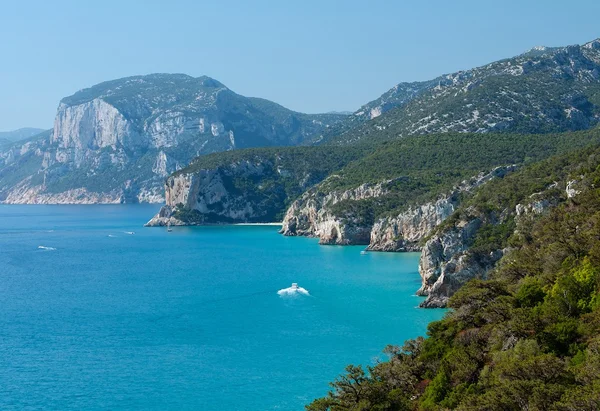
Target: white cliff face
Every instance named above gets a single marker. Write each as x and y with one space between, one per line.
572 190
404 231
447 262
165 128
442 262
26 194
203 192
311 216
232 192
87 127
160 167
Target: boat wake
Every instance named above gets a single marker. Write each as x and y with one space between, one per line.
43 247
293 290
112 235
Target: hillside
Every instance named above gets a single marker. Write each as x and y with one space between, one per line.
410 173
540 91
118 140
526 336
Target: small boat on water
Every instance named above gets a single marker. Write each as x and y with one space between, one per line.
294 289
169 229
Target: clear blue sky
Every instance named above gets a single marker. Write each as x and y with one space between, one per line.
310 56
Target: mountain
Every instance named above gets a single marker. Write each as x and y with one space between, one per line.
118 140
543 90
524 335
7 137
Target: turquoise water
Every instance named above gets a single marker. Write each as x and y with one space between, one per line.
190 319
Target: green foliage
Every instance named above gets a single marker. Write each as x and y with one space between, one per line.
269 178
527 338
421 167
530 293
436 391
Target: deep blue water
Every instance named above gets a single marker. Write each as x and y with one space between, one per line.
188 319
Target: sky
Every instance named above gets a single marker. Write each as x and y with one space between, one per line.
310 56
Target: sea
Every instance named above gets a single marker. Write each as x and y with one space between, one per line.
98 312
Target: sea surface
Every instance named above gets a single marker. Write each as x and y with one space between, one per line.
98 312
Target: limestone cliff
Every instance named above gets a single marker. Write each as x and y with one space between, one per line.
460 252
445 264
245 186
311 215
314 215
118 140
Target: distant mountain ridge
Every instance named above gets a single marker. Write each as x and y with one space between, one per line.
19 134
118 140
546 89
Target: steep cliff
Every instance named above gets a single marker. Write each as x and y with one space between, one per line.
248 185
395 195
489 224
116 141
405 231
311 215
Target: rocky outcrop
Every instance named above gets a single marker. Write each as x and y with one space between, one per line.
165 218
455 273
405 231
311 215
447 260
445 264
91 126
25 194
249 187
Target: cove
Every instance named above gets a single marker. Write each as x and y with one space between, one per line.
108 314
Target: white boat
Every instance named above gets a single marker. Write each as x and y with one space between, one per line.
293 290
169 229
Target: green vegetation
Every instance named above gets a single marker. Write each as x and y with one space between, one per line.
422 167
419 168
267 178
526 338
456 155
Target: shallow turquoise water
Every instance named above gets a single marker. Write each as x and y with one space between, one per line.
188 319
